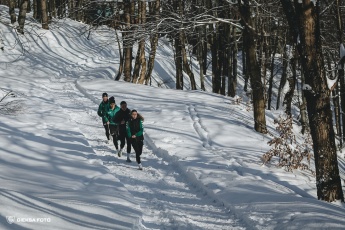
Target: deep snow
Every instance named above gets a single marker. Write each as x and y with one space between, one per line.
202 167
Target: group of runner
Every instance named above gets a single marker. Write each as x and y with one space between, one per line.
122 125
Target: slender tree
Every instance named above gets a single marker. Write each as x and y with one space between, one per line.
253 68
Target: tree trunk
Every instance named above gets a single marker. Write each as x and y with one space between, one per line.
232 61
35 6
201 46
216 69
270 83
127 43
178 48
60 8
289 95
341 76
79 10
52 4
140 62
328 182
71 9
28 7
283 78
22 15
200 54
12 13
186 67
178 63
142 53
119 73
44 15
303 104
253 69
155 8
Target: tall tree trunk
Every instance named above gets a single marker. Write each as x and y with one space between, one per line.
283 78
137 64
128 43
216 69
35 6
142 54
339 23
270 83
253 69
52 4
341 76
44 15
232 61
22 15
178 62
79 10
28 7
336 102
60 8
186 67
200 53
303 103
141 47
306 14
12 13
155 8
71 9
289 95
119 73
200 45
140 62
178 48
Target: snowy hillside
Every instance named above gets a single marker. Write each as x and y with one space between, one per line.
202 167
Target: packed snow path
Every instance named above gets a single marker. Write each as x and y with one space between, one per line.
167 199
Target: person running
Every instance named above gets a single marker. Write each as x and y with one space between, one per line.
135 131
113 127
121 117
102 111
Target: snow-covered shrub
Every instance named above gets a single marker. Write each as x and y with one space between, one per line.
291 153
8 106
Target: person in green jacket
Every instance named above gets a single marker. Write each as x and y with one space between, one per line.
135 131
113 127
102 110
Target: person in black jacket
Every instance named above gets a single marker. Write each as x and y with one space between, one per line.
135 130
121 117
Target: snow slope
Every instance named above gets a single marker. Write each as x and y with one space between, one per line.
201 156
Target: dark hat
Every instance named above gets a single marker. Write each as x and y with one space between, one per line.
111 100
123 102
104 95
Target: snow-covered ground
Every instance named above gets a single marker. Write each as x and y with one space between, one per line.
202 167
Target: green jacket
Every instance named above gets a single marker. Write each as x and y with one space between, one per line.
135 127
103 109
110 115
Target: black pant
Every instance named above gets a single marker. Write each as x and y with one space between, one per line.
124 138
114 132
106 127
138 148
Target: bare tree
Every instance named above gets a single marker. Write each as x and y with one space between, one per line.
253 68
22 15
44 14
11 11
304 22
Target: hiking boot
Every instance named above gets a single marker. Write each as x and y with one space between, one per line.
119 153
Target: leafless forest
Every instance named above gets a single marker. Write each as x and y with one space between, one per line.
294 42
